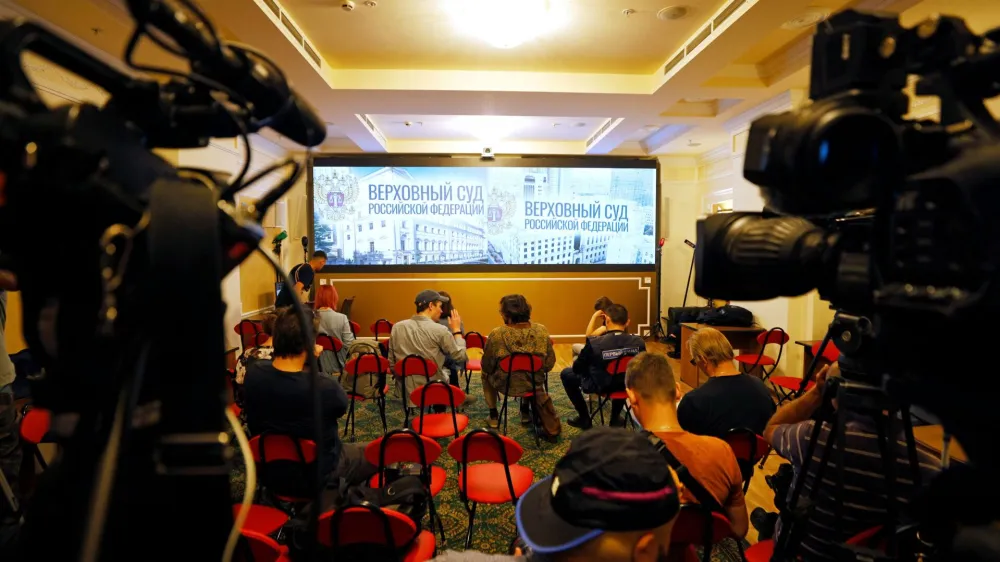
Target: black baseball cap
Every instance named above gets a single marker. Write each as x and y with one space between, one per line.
430 296
611 479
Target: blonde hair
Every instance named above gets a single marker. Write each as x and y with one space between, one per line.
650 375
709 345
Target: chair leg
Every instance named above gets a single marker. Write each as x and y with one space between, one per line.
468 379
472 521
536 420
381 413
503 414
435 516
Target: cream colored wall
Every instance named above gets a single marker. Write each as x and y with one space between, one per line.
679 211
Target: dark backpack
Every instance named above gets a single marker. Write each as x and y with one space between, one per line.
406 495
727 315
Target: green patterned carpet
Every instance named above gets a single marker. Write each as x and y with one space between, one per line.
495 526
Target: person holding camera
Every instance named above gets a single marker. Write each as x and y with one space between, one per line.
863 501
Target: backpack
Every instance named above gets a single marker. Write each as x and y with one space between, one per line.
406 495
727 315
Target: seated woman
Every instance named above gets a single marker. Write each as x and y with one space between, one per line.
262 351
277 400
332 323
519 335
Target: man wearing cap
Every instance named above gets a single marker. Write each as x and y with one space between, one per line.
423 336
612 497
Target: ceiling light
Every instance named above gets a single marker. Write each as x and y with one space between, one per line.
810 17
672 13
488 128
507 23
692 143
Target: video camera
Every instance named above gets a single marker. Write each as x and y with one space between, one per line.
119 257
889 218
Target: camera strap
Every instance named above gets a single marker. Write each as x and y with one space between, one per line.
704 497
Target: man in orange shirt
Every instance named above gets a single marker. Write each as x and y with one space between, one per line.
652 390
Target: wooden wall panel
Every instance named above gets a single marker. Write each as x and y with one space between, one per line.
563 302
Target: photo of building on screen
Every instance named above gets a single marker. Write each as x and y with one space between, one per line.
367 239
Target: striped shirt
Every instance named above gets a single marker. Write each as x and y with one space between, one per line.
864 497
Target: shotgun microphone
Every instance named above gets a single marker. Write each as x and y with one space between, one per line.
689 243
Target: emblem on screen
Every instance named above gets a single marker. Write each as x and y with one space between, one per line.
500 212
339 189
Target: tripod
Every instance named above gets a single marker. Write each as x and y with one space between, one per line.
867 400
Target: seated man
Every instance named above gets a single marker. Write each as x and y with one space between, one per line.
608 479
588 373
729 399
863 500
652 390
596 325
277 400
421 335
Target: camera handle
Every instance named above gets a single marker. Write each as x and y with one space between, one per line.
862 399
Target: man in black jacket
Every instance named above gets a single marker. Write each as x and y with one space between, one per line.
588 373
277 400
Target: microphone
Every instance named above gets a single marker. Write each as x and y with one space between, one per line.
279 237
305 242
661 242
689 243
250 74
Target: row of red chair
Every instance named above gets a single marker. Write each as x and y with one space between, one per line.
785 388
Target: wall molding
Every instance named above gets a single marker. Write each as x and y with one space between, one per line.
641 286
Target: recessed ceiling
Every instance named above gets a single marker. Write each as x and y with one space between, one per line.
781 36
480 127
412 34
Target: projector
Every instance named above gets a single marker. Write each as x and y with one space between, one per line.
487 153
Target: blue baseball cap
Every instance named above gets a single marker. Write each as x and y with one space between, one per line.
611 479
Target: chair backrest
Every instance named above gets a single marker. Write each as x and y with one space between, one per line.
415 365
258 547
697 525
618 365
367 364
329 343
247 328
381 327
746 445
355 327
474 340
774 335
35 424
521 362
285 464
830 352
402 445
260 338
345 307
485 445
366 524
872 538
437 393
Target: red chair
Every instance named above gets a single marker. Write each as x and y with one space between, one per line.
286 466
616 368
760 552
405 445
262 519
437 426
776 336
749 449
497 480
355 328
247 330
332 344
382 328
261 338
787 388
34 427
697 526
764 550
409 366
374 366
368 524
473 340
258 547
522 363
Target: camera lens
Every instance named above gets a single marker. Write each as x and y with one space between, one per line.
833 156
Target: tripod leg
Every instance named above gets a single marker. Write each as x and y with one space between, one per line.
887 447
8 494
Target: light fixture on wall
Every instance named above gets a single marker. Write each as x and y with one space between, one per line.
505 24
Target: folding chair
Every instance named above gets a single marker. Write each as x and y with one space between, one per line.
374 366
438 426
370 525
412 365
749 449
473 340
522 363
